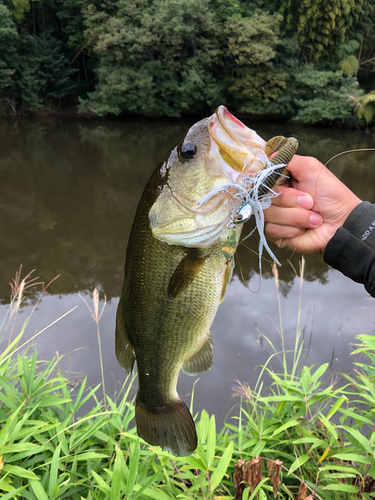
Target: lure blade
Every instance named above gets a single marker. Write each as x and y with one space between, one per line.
244 214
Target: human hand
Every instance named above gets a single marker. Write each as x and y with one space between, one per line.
312 205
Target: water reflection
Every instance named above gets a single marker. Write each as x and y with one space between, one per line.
69 191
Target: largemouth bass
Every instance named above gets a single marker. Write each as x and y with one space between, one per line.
177 269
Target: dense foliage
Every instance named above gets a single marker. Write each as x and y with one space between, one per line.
299 439
309 61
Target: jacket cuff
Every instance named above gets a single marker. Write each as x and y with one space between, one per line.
352 248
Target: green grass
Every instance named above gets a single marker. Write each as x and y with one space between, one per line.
296 439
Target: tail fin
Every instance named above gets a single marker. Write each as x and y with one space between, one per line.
172 428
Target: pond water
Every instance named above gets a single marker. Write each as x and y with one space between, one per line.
69 191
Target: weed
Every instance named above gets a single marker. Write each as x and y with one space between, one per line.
299 439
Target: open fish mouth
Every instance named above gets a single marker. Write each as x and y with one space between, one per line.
234 179
245 158
235 148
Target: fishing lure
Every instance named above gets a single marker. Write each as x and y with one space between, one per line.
253 194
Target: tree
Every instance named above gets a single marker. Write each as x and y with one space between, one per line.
365 107
322 26
154 57
166 56
8 39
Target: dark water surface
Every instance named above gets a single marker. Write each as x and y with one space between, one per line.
69 191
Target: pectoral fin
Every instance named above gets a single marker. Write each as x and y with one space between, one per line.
185 273
123 348
202 360
227 277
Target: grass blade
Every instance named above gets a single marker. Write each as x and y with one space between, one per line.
54 471
222 467
133 469
39 491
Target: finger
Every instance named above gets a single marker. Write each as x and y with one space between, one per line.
275 232
300 166
290 197
303 243
295 217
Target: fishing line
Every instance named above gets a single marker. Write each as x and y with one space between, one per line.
243 278
349 151
333 157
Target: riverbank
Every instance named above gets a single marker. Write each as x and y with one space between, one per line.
76 112
297 439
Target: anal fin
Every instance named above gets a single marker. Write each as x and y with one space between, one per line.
201 360
185 273
123 348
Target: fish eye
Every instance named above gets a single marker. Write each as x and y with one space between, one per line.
188 150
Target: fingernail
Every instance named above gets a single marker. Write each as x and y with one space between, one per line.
316 219
279 243
305 201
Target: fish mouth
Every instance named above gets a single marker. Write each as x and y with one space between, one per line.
235 148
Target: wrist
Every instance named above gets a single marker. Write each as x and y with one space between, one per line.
350 205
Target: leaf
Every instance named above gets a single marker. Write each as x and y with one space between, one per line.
302 491
286 398
355 416
360 438
90 455
39 490
331 429
211 441
342 468
103 486
291 423
222 467
257 450
22 447
336 406
151 479
246 493
352 457
19 471
13 493
54 471
298 462
315 442
195 463
153 493
325 453
133 468
254 493
203 427
341 487
4 432
116 476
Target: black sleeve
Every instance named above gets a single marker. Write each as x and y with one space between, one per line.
352 248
